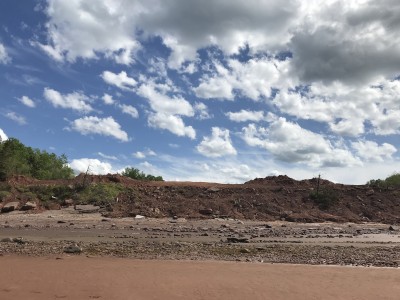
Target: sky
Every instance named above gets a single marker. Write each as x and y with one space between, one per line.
200 90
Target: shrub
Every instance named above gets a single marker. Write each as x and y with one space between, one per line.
4 195
100 194
325 197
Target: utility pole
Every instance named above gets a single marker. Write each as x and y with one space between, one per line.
318 183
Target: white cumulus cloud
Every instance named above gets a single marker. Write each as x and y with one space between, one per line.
16 117
121 80
171 123
3 136
217 145
25 100
102 126
76 100
371 151
245 115
129 110
108 99
289 142
95 166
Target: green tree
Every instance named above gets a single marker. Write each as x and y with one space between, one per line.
18 159
390 181
139 175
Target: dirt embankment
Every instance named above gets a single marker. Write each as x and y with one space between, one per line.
270 198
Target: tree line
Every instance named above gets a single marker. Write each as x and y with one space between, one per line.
18 159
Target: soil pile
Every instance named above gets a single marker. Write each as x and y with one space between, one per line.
270 198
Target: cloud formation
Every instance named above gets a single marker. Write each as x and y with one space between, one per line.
4 57
25 100
217 145
75 100
101 126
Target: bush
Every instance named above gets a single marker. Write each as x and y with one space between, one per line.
4 195
325 197
100 194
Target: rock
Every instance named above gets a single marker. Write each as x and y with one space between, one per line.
206 211
267 226
213 189
139 217
10 207
6 240
60 222
237 240
68 202
370 192
157 211
18 240
29 205
73 249
391 228
245 250
175 217
86 209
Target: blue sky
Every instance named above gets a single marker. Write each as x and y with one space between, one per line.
192 90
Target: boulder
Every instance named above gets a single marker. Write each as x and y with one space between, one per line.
213 189
68 202
206 211
72 249
10 206
29 205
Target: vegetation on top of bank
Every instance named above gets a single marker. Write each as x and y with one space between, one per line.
139 175
391 181
18 159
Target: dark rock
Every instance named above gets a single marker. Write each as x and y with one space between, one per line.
206 211
6 240
10 207
391 228
237 240
29 205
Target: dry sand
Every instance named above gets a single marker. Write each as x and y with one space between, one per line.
113 278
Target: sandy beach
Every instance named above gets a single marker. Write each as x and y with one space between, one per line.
80 277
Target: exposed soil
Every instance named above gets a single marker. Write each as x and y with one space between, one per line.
270 198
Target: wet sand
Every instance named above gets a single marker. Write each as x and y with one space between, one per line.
80 277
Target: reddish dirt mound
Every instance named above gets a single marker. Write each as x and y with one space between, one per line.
270 198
